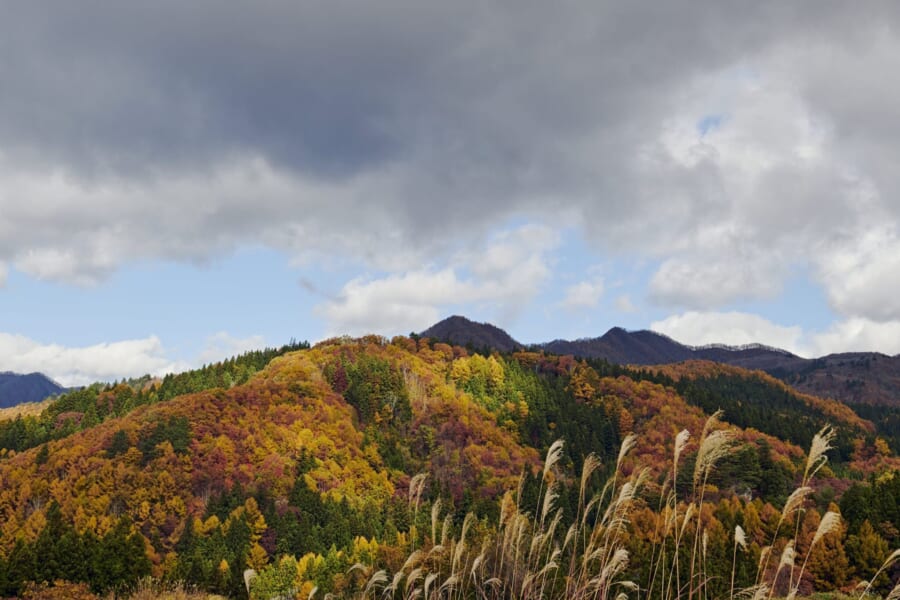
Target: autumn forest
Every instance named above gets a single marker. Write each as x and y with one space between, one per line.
412 468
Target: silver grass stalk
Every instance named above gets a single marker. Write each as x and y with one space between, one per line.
475 564
794 502
394 584
378 578
445 530
507 509
571 534
449 583
414 576
787 555
627 445
691 509
550 497
753 592
681 441
554 453
591 464
711 422
764 554
429 580
740 537
715 446
816 459
435 513
416 485
616 564
830 523
412 560
705 543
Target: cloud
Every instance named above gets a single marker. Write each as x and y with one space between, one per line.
624 304
736 328
83 365
501 277
858 335
582 295
222 345
733 328
693 283
860 275
394 135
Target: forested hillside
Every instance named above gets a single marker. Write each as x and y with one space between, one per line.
409 468
869 381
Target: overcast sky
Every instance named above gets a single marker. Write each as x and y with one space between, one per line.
182 181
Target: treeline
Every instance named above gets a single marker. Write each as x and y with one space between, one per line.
117 559
886 420
89 406
750 401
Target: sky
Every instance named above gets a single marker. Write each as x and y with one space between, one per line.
180 182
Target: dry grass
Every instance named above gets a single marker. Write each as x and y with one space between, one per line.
28 409
149 589
529 555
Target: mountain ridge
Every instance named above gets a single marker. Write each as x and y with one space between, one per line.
21 388
870 378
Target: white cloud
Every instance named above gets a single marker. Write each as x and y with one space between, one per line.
394 304
504 275
861 275
222 345
83 365
715 282
858 335
733 328
109 361
624 304
583 295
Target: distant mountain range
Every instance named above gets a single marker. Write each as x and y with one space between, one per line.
856 378
33 387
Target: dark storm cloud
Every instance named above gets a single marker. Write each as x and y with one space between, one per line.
388 131
333 88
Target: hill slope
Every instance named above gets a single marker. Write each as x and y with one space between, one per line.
364 451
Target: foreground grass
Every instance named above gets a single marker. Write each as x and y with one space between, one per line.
529 554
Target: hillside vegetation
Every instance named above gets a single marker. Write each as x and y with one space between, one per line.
364 468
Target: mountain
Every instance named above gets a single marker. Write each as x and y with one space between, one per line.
463 332
33 387
625 347
859 379
360 460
